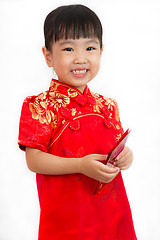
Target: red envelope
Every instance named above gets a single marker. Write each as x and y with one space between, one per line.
114 153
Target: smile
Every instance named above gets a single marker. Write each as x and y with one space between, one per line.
79 71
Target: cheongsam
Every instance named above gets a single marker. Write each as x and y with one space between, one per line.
64 122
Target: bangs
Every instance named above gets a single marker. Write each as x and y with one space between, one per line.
75 27
71 22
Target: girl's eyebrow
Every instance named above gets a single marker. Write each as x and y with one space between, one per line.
93 41
66 42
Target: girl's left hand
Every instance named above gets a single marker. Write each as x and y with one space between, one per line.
124 159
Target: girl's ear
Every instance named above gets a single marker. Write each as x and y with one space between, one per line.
102 49
48 56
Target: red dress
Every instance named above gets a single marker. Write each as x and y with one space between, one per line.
64 122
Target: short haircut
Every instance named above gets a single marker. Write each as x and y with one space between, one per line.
71 22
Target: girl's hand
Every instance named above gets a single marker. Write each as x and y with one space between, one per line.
124 159
91 167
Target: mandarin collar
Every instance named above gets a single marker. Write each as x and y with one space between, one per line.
56 85
72 92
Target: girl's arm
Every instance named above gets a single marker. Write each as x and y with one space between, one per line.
45 163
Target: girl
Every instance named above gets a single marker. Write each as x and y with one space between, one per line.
67 133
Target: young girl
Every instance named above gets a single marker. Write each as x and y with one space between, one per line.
67 133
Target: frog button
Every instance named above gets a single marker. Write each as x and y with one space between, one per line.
75 124
107 123
81 99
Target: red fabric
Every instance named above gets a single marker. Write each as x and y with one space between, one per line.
66 123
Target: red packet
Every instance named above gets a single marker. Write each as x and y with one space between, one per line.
113 154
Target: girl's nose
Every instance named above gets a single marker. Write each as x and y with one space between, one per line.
80 58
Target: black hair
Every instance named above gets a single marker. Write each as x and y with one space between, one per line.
71 22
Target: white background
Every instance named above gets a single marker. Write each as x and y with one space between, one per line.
129 72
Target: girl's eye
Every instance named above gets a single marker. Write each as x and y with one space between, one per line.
68 49
90 49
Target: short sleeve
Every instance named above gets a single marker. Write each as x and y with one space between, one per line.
35 125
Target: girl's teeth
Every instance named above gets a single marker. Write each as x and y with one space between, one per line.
79 71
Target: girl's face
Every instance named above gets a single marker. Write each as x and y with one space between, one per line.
75 61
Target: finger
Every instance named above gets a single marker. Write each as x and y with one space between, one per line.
121 160
105 177
125 167
110 170
122 164
123 153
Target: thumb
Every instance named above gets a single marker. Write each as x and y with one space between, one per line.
101 157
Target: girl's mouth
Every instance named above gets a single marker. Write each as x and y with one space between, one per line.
79 73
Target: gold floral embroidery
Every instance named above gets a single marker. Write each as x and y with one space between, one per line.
44 105
42 96
40 112
74 112
109 103
117 126
117 113
101 102
59 100
98 106
54 85
112 107
63 122
72 92
118 136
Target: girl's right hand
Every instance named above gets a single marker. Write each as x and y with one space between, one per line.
91 166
